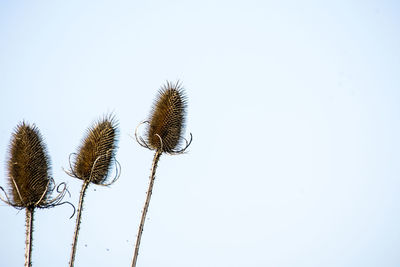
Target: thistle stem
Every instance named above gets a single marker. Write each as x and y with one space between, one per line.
78 222
146 206
28 242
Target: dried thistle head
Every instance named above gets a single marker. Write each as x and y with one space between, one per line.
97 151
28 168
167 120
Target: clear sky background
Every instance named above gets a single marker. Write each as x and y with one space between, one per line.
294 109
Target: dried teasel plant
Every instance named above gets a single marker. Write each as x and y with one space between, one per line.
93 163
164 134
29 178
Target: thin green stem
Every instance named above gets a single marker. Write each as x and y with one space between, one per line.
146 206
78 222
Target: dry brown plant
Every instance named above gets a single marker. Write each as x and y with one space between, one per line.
164 134
29 179
93 163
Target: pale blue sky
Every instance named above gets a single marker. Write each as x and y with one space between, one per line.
294 109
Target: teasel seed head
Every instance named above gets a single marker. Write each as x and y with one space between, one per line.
28 168
96 154
167 120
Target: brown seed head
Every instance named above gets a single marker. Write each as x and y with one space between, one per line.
97 151
28 167
167 118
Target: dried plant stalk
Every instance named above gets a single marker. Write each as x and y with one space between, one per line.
164 134
146 206
93 163
28 176
28 235
29 179
78 222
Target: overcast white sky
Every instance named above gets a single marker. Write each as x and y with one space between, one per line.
294 109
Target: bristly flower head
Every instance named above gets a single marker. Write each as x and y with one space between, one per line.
167 120
28 168
97 152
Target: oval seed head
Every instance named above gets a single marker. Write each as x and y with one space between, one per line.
28 167
167 118
97 151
